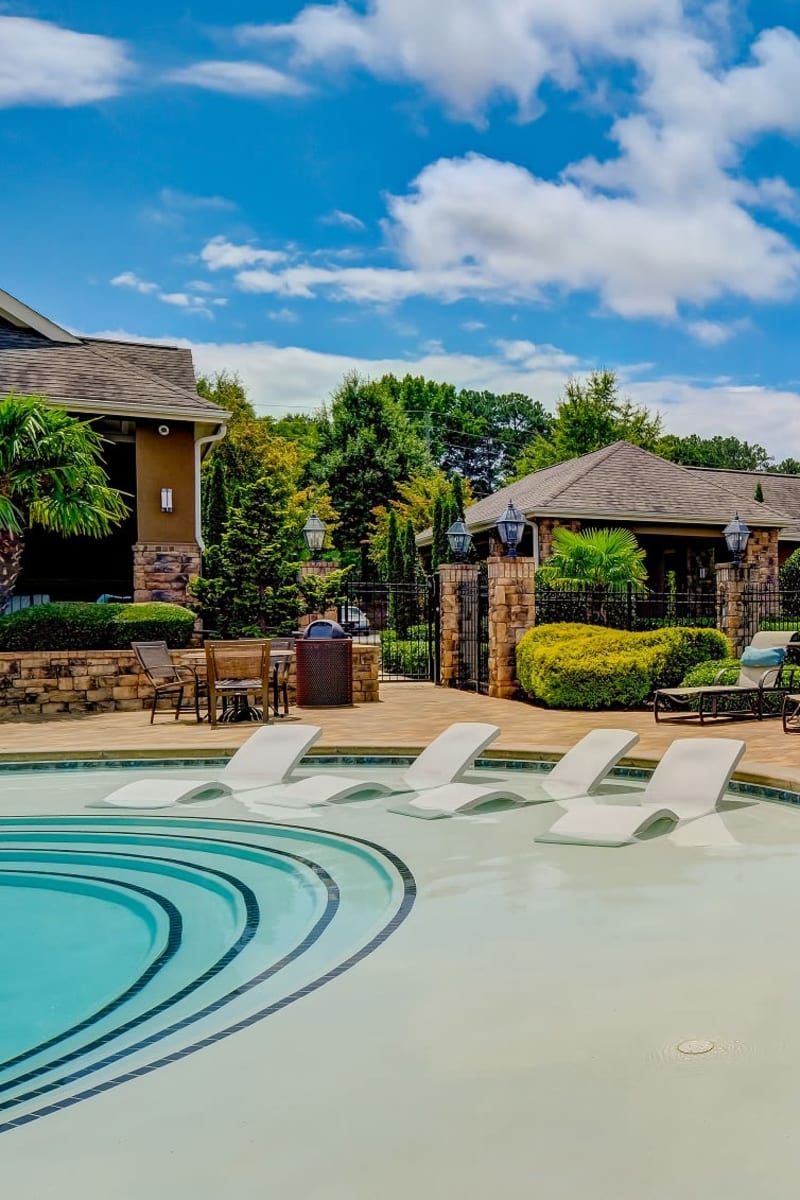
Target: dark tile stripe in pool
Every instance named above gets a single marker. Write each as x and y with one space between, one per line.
409 892
332 903
175 929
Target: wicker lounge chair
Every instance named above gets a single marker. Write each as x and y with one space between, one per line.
753 683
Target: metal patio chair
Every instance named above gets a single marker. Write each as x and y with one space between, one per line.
281 667
166 679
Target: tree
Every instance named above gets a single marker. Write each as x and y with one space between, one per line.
394 549
51 476
594 558
214 501
251 582
590 415
440 550
367 447
787 466
727 453
410 552
458 496
477 434
758 495
415 502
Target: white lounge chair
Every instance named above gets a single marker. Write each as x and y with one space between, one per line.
576 773
688 783
267 757
442 762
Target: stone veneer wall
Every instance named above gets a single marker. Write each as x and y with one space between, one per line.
511 612
546 527
57 681
162 572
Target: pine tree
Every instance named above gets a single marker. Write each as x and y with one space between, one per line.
250 585
458 495
436 543
214 501
759 493
394 550
410 554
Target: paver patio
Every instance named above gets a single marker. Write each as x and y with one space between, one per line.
408 716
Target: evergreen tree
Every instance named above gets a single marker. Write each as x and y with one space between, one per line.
410 554
394 550
758 495
439 542
214 501
458 495
251 586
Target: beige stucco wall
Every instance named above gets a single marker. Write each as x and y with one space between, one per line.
165 461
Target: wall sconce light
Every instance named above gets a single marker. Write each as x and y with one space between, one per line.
166 500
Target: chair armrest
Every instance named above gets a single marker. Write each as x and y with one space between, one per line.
762 682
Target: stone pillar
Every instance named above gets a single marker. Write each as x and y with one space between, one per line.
762 556
451 576
511 612
163 571
732 580
321 568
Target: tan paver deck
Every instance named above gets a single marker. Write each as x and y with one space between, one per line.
408 716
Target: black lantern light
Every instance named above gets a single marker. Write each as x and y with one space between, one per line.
314 535
459 539
510 528
736 537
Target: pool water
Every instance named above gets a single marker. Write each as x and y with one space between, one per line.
528 1025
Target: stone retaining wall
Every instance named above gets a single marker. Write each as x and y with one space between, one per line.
58 681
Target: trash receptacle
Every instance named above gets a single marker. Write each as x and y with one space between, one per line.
324 666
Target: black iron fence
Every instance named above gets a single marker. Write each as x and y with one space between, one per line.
401 618
766 607
473 645
624 608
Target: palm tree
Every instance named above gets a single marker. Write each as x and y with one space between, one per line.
51 475
595 560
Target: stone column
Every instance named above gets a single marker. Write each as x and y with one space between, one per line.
163 571
321 568
451 576
732 580
511 612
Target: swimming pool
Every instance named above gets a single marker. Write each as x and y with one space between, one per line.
518 1028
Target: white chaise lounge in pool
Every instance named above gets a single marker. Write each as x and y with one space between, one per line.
687 784
267 757
577 773
442 762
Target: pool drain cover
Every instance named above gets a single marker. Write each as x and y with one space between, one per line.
695 1046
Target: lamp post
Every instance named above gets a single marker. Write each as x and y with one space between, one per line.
459 539
736 535
510 527
314 535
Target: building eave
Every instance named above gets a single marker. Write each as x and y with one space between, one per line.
160 411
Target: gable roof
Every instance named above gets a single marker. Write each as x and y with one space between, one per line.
95 375
624 482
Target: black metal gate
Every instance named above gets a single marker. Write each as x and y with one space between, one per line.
765 607
400 617
473 644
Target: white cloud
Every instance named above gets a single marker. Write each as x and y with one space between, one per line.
174 198
466 52
191 304
716 333
337 217
294 379
238 79
473 326
43 64
130 279
283 314
219 253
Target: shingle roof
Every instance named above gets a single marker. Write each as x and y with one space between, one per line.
780 492
622 481
173 363
112 375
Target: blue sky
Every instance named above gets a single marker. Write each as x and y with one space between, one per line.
500 195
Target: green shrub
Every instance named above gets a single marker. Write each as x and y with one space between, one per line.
66 625
405 656
704 674
589 666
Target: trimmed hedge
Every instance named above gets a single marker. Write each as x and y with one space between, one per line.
591 667
68 625
405 656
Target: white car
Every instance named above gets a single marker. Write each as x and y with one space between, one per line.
353 620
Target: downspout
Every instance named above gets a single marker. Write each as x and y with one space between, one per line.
198 458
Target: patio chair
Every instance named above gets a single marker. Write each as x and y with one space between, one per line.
577 773
281 667
444 761
687 784
166 679
237 670
268 756
757 678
